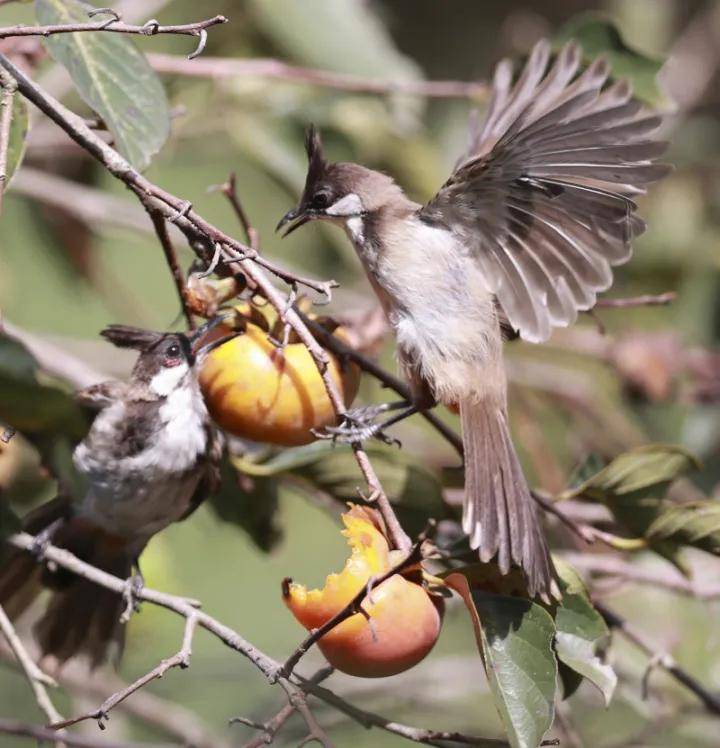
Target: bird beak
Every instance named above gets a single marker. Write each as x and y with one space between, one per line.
203 330
213 344
296 218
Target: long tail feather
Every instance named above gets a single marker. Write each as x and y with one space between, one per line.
81 618
499 513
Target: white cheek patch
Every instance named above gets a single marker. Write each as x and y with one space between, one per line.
350 205
166 380
356 229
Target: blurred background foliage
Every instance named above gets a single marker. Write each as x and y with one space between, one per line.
73 260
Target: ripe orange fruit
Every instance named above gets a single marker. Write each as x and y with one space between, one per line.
403 621
258 391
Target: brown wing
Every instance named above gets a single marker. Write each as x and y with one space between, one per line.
99 396
542 198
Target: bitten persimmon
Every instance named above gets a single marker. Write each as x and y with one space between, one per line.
402 623
257 390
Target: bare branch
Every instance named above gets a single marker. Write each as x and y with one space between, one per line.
151 28
658 658
180 659
225 67
171 257
8 86
45 734
229 189
667 578
265 664
35 676
268 730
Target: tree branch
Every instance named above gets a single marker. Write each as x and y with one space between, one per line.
8 85
664 660
263 662
161 231
669 579
45 734
179 659
35 676
240 258
226 67
114 25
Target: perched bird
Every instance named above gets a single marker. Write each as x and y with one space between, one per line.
149 459
521 237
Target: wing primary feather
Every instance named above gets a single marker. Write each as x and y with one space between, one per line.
544 200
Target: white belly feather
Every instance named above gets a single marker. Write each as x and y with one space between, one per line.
437 302
143 493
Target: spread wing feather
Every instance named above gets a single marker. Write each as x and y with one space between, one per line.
543 196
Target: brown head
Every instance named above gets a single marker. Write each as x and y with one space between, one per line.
166 358
338 191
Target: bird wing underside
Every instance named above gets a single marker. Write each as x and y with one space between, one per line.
543 197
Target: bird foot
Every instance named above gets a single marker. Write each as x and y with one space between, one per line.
43 539
131 594
358 425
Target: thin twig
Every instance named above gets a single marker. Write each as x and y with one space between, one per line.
668 579
35 676
229 189
225 67
298 700
269 729
416 734
354 606
114 26
46 735
664 660
8 85
160 225
179 659
163 715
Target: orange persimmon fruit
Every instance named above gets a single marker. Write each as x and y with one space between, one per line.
257 390
402 623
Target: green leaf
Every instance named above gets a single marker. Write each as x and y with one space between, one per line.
633 486
515 638
18 135
581 634
251 503
30 406
113 78
648 468
696 523
414 489
285 460
598 35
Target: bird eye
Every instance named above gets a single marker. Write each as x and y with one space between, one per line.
321 200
